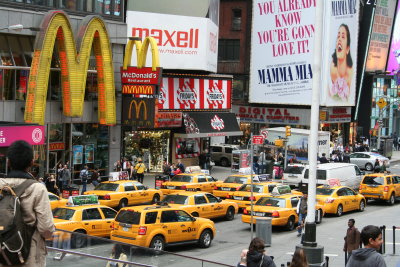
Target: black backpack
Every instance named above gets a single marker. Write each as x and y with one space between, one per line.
15 235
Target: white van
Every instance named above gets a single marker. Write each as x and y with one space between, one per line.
293 174
348 174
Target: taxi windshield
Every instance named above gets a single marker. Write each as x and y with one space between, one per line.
324 191
176 199
128 216
236 179
271 202
374 180
182 178
247 188
106 187
63 213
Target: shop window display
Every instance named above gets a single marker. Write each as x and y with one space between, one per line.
151 146
187 148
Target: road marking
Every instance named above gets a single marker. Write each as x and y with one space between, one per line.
325 254
391 243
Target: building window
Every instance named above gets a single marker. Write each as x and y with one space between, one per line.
228 49
236 19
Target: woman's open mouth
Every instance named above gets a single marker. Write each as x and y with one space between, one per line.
339 48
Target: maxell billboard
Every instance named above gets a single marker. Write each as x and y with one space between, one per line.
189 43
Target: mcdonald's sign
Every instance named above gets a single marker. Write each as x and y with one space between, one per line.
138 112
56 29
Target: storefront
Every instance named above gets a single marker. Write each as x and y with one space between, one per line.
336 120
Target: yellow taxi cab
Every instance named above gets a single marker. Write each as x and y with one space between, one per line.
232 183
381 186
281 209
160 226
202 204
83 214
339 199
243 195
56 201
190 181
122 193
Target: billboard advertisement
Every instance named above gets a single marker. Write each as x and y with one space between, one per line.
189 43
34 135
394 52
195 93
282 52
340 55
380 36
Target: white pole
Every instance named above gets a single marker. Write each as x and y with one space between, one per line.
314 126
251 186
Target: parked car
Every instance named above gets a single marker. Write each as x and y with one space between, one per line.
381 186
293 174
222 154
366 160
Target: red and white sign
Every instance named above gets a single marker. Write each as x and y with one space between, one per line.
183 42
56 146
145 75
264 133
168 119
195 93
217 123
258 140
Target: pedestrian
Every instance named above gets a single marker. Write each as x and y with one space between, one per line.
395 140
84 175
95 177
180 166
202 160
371 237
140 169
66 177
119 254
293 159
301 210
60 169
243 258
35 204
299 259
346 156
51 185
383 167
256 256
132 172
166 168
117 166
377 166
352 239
256 166
261 162
323 159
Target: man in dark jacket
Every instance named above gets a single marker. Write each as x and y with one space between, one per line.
323 159
352 239
371 237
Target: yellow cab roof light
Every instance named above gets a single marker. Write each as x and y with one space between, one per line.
74 201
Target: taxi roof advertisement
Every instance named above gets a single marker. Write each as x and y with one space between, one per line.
283 34
183 42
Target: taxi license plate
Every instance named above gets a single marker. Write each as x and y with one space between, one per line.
237 198
171 187
126 229
258 213
225 188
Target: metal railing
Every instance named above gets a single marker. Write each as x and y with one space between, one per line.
68 248
383 247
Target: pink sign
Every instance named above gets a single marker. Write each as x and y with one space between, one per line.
34 135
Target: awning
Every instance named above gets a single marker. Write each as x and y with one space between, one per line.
207 124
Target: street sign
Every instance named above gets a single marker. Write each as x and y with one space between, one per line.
264 132
258 139
381 103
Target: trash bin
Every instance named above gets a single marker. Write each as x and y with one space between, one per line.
71 190
160 179
264 229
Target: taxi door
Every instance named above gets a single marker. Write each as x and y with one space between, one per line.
108 218
352 198
130 193
92 221
170 224
202 207
396 184
344 199
142 195
187 228
217 208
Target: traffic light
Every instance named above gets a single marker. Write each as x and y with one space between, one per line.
279 142
288 131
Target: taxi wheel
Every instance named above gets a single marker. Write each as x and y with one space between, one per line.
156 198
290 223
195 214
392 199
362 205
205 239
123 203
339 211
157 243
230 214
78 241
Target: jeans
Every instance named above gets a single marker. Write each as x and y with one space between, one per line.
84 183
95 183
302 218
